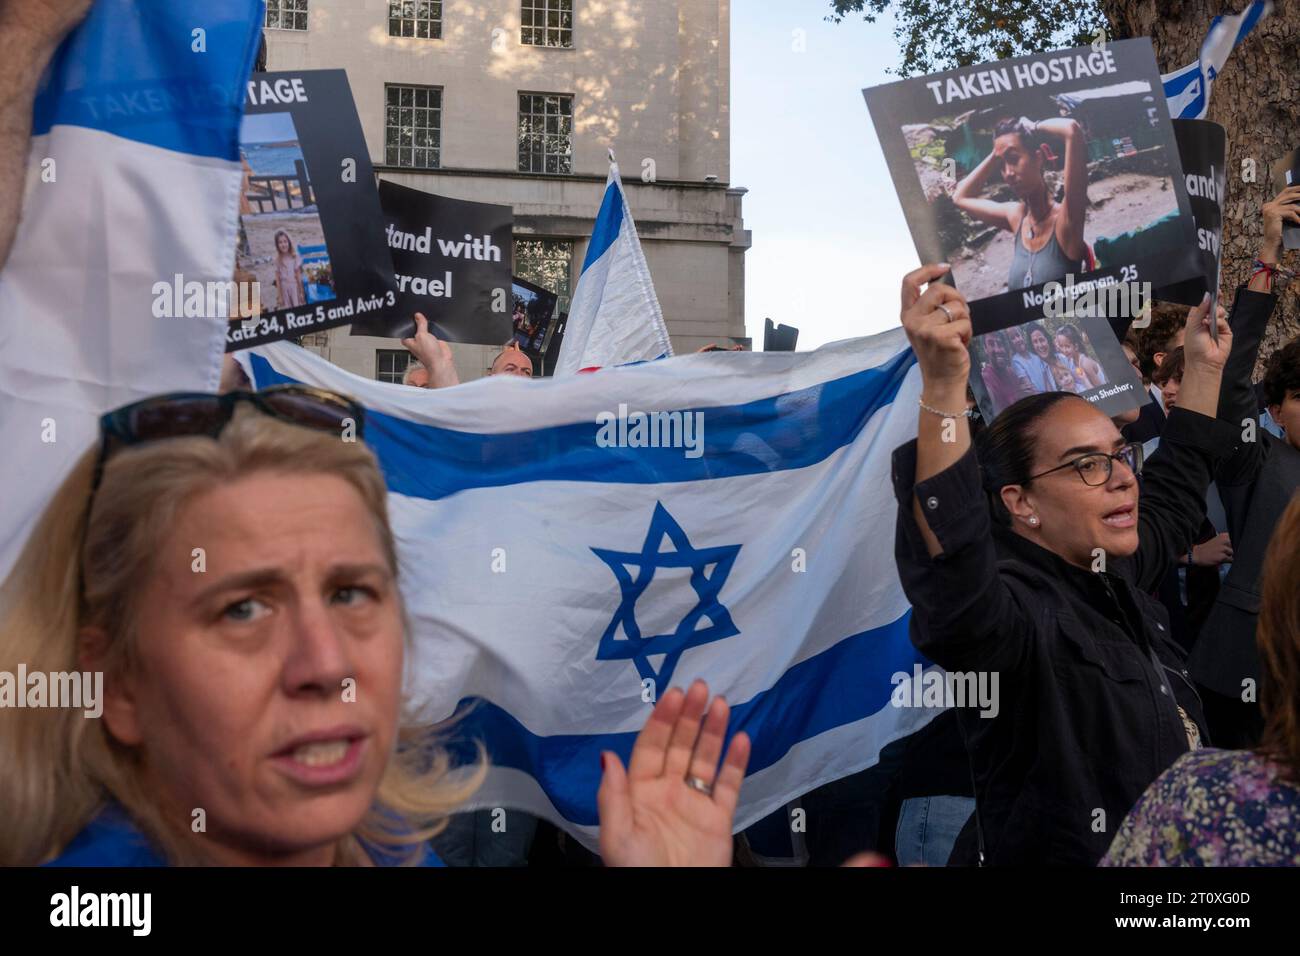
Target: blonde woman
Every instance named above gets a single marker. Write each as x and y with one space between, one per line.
226 563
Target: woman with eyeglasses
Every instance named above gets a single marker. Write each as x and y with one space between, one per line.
225 561
1029 556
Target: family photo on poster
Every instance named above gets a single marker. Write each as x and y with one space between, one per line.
310 232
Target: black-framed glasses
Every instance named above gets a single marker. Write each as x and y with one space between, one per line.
1095 468
189 414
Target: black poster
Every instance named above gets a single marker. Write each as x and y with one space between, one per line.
1286 172
451 258
311 236
1203 151
1057 167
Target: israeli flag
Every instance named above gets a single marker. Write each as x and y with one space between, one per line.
615 317
133 180
1188 90
572 548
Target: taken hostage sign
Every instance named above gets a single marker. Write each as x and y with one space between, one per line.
1052 168
311 233
451 258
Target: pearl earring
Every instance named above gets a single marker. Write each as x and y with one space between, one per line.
1033 520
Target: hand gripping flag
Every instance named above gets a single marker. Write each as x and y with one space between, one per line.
615 317
727 517
133 181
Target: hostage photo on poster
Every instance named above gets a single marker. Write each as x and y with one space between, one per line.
1039 168
452 262
310 231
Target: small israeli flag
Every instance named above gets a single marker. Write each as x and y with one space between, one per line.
1188 90
615 318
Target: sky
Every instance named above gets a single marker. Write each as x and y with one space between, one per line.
830 245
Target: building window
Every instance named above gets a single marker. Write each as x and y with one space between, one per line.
415 18
547 263
413 126
391 364
547 23
286 14
545 133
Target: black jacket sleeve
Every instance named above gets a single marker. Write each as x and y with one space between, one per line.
1237 402
1174 482
964 615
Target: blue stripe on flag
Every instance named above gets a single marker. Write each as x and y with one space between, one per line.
841 685
793 430
131 70
1253 15
609 221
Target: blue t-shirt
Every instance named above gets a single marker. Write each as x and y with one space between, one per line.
111 839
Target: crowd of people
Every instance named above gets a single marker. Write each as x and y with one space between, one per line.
1134 582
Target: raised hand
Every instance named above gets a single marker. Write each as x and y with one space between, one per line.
433 353
650 815
938 326
1199 346
1285 207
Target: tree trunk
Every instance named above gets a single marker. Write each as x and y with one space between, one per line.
1257 100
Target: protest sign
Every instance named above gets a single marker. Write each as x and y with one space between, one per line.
1203 150
311 235
1286 172
532 315
1029 170
451 258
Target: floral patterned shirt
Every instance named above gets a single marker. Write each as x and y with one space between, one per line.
1213 808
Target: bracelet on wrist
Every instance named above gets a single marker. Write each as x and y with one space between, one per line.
968 412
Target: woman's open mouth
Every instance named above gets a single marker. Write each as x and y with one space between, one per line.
323 758
1124 516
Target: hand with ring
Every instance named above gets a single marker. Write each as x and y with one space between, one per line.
674 805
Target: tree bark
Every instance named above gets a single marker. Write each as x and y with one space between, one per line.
1257 100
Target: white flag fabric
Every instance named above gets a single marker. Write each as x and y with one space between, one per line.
571 548
133 180
615 317
1188 90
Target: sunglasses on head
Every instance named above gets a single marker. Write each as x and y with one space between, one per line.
190 414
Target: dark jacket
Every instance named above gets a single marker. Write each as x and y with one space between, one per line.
1089 679
1256 484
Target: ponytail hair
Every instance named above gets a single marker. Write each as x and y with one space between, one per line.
1005 449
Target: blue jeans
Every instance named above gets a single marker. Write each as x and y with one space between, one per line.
928 828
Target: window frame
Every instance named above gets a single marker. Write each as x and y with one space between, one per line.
436 148
299 8
415 20
381 354
530 10
564 161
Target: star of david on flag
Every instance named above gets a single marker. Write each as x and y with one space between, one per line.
623 640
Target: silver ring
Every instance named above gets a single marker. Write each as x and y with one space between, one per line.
945 311
696 783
